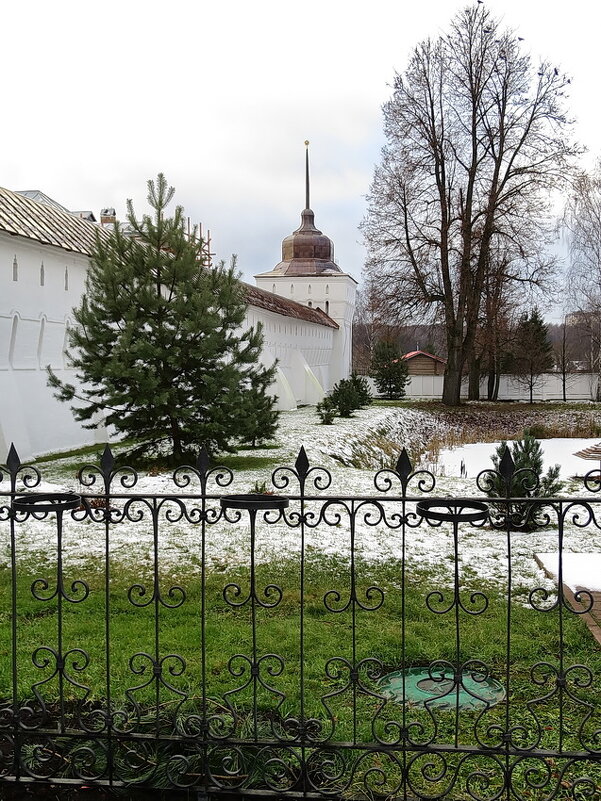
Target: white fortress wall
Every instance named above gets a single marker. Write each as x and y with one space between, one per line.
39 286
303 351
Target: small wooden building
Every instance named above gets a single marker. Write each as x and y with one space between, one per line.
422 363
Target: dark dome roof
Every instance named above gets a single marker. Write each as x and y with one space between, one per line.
307 251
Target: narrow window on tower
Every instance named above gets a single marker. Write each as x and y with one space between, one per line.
66 279
42 276
15 269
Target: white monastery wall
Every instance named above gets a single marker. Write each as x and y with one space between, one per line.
335 295
303 351
39 286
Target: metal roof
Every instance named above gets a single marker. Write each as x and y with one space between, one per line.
46 223
50 225
289 308
413 353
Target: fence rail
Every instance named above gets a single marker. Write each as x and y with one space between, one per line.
328 671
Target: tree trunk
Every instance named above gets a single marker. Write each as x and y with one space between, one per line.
176 435
451 389
495 394
473 392
490 383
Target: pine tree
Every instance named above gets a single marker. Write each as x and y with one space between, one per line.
532 351
389 370
527 455
158 347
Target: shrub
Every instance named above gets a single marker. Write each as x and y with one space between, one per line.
345 397
327 411
362 390
527 455
389 370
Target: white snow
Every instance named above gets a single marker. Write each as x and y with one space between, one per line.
476 457
352 451
579 569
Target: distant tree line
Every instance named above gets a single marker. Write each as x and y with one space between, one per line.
526 346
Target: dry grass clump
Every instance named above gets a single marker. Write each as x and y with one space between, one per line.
492 423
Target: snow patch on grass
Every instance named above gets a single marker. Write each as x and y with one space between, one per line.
352 451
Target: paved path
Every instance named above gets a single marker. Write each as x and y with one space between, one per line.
581 572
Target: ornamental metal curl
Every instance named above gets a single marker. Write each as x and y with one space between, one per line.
243 644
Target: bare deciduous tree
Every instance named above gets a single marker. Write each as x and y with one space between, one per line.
476 140
583 220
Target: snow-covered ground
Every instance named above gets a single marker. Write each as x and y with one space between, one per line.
351 451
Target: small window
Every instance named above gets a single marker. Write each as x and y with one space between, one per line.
273 288
327 306
327 289
66 279
42 275
310 304
309 288
15 269
292 289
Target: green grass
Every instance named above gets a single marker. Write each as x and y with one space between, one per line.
345 712
328 634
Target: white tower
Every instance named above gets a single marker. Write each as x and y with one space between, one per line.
309 275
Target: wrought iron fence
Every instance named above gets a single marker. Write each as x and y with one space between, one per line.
321 673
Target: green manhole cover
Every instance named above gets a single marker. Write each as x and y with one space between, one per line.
438 689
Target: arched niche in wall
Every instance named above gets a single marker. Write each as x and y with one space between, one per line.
24 340
41 364
12 342
65 344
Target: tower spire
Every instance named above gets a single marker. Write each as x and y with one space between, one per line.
307 203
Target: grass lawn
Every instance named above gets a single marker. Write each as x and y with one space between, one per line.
318 651
142 624
348 711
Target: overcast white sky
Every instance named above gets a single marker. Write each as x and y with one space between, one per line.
97 98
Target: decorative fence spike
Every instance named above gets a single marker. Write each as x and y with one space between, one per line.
203 462
404 468
302 463
107 461
507 466
12 460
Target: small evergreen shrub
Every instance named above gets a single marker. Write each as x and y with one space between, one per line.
346 397
362 390
389 370
327 411
527 454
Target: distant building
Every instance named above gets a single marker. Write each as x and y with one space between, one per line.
419 362
305 305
